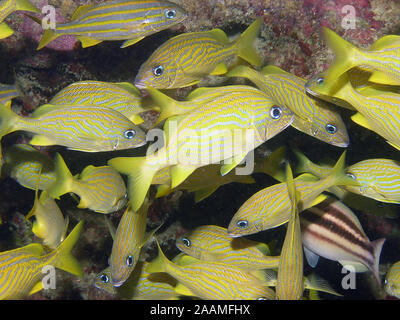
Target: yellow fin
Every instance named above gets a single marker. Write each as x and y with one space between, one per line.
263 248
245 44
384 41
34 248
219 35
63 181
234 161
318 199
361 120
219 69
48 36
395 146
163 190
313 282
167 105
80 11
271 69
36 288
39 140
198 92
129 87
204 193
183 290
88 42
179 173
43 109
25 5
5 30
383 78
130 42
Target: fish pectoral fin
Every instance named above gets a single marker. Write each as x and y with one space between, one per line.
219 70
36 288
353 266
383 78
204 193
87 41
5 30
39 140
25 5
42 110
130 42
318 200
183 290
311 257
219 35
80 11
231 163
129 87
313 282
163 190
394 145
179 173
361 121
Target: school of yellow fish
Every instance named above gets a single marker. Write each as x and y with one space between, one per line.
206 139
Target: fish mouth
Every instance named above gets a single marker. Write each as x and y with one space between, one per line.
117 283
232 234
140 85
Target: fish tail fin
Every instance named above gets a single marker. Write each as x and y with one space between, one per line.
8 120
273 164
64 179
245 44
303 163
5 30
344 53
140 175
159 264
166 104
377 245
65 261
25 5
338 176
48 36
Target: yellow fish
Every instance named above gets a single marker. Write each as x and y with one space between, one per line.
9 6
100 189
23 268
82 128
212 280
212 243
392 281
185 59
215 131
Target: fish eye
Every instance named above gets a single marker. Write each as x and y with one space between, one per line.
129 134
261 298
242 224
320 80
170 13
129 261
104 278
330 128
158 71
385 282
275 112
352 176
186 242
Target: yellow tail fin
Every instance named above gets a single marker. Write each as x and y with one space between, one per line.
245 44
64 179
48 36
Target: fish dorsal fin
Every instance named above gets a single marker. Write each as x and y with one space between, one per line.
36 288
361 120
44 109
219 35
80 11
87 41
129 87
220 69
25 5
384 42
87 172
311 257
383 78
271 69
130 42
35 249
39 140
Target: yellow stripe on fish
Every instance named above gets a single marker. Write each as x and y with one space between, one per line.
100 189
82 128
312 116
22 268
122 97
215 131
212 243
118 20
383 58
392 281
378 110
24 164
212 280
185 59
9 6
270 207
8 92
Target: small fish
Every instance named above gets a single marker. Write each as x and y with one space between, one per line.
212 243
378 178
378 110
270 207
8 92
383 58
331 230
122 97
9 6
392 281
82 128
215 131
22 268
27 166
185 59
50 224
117 20
212 280
100 189
312 116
